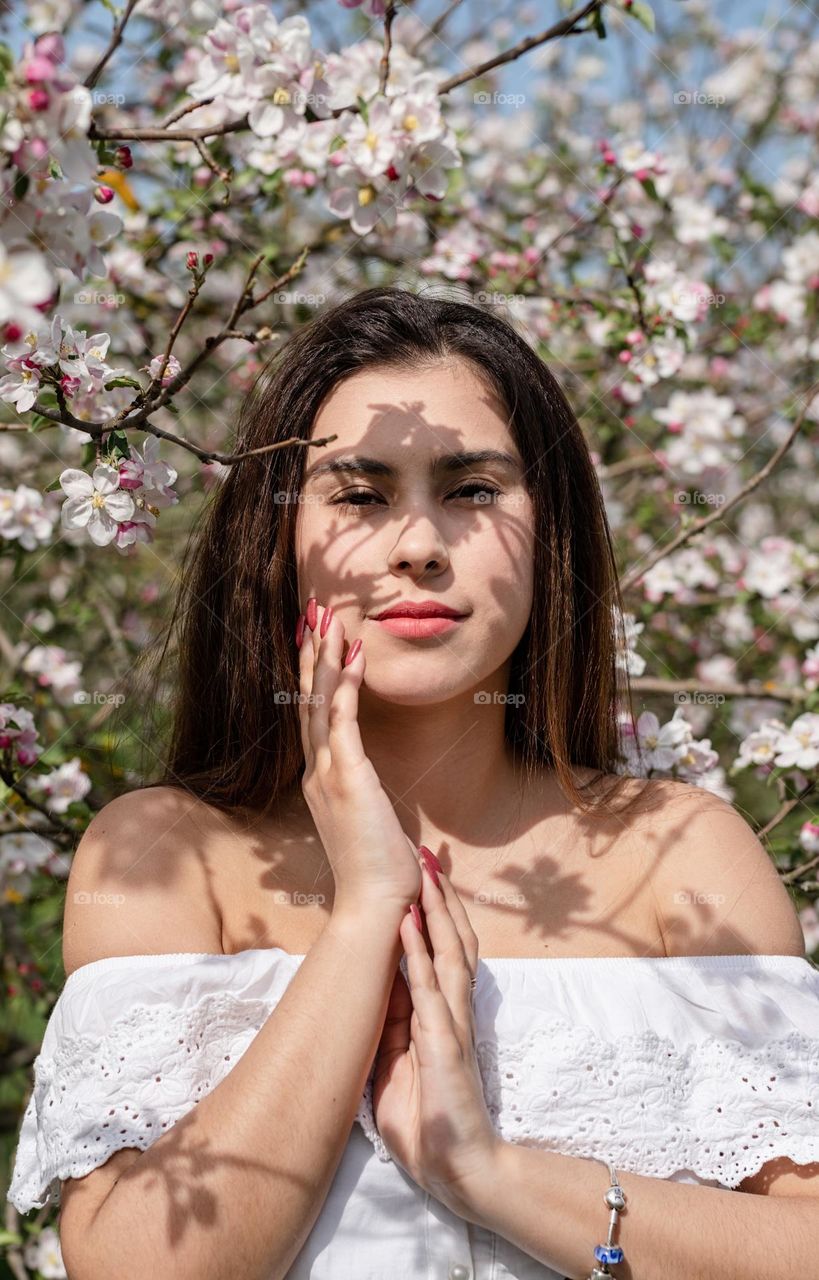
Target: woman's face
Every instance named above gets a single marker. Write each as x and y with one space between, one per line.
405 521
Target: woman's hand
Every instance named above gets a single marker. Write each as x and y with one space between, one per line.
427 1090
373 860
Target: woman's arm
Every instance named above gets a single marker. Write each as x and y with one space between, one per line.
551 1206
234 1187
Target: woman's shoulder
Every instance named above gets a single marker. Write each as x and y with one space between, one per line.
716 886
139 881
631 795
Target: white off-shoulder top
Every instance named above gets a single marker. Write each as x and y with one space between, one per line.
692 1068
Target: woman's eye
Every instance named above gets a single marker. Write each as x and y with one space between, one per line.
355 498
477 486
366 498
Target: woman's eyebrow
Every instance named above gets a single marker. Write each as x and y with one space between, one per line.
447 462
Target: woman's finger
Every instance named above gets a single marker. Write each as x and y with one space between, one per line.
450 959
326 672
463 924
395 1036
430 1008
344 730
306 664
331 722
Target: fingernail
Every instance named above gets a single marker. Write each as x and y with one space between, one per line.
312 612
436 864
353 650
416 915
326 620
300 630
425 862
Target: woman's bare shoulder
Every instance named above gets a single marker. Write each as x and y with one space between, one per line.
627 798
139 881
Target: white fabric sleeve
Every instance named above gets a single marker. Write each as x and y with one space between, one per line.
132 1044
708 1067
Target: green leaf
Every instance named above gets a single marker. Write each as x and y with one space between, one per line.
364 109
649 188
21 184
598 24
118 443
89 454
51 488
643 13
124 381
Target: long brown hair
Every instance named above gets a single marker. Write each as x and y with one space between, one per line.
235 739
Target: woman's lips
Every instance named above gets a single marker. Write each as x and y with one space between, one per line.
417 628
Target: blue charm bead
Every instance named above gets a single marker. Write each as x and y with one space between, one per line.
608 1253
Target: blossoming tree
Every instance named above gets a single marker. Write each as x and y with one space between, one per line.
183 185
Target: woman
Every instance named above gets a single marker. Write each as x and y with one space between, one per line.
394 874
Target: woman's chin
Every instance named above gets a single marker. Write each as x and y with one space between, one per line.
416 690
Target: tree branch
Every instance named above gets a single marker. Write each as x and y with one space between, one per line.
384 65
565 27
697 526
727 688
116 38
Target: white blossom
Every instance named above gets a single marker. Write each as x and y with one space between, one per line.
95 503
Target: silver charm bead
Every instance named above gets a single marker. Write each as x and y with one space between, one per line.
615 1198
597 1274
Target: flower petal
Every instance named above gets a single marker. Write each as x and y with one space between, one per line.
76 483
101 528
106 478
75 513
119 505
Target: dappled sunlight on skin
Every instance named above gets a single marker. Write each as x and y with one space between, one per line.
411 538
556 885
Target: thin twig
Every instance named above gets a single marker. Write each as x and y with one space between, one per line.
11 782
137 413
563 28
436 27
384 65
224 175
116 38
697 526
728 688
184 110
566 27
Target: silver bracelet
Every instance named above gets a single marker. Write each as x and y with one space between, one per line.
615 1198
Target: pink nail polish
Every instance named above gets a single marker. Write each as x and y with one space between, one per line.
300 630
312 613
326 620
416 915
352 652
425 862
436 864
